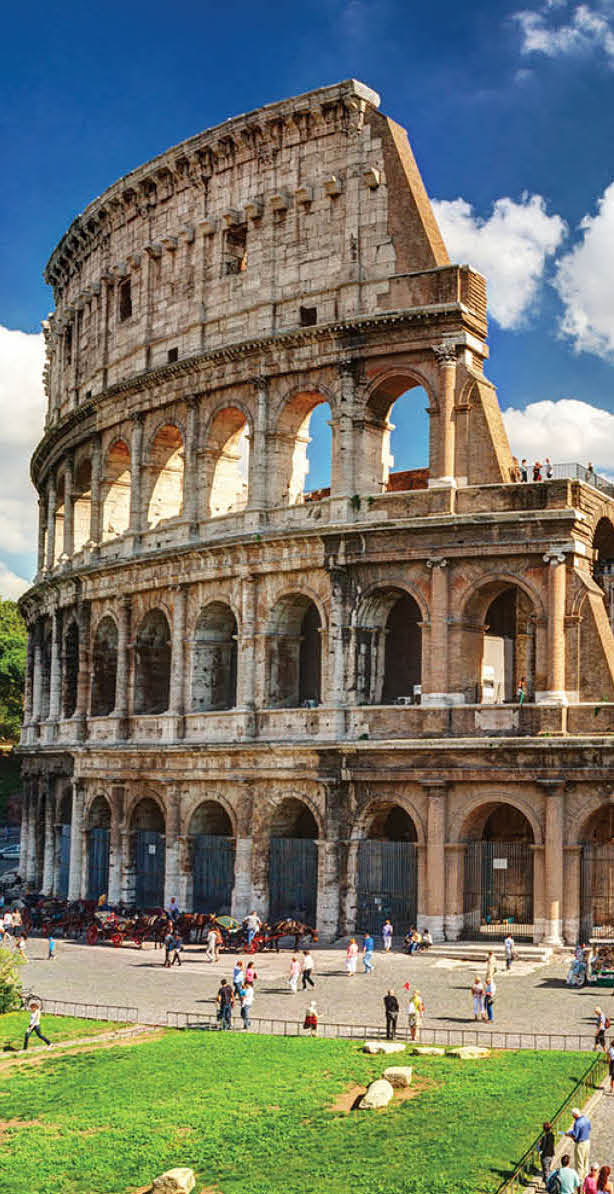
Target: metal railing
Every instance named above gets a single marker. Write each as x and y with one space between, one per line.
579 472
446 1037
529 1167
91 1011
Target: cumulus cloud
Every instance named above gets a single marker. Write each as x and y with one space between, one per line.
11 585
583 280
22 406
565 430
511 248
582 29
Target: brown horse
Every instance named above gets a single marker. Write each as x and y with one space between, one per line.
294 928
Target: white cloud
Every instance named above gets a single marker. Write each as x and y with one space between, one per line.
22 407
584 282
510 248
11 585
585 29
565 430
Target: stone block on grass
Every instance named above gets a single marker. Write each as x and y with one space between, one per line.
378 1094
175 1181
469 1052
384 1047
427 1050
398 1075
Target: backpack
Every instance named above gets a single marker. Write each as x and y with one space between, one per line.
607 1022
554 1183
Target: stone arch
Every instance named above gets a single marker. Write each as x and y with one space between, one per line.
104 667
499 881
290 464
98 811
227 459
465 823
63 824
294 829
147 821
217 798
115 490
384 391
386 866
501 621
372 808
597 826
82 503
212 846
294 652
295 816
70 670
388 646
214 658
152 672
164 471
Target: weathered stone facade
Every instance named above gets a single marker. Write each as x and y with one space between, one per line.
242 696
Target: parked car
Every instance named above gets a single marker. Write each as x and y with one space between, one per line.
12 851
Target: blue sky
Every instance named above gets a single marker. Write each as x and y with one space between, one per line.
508 108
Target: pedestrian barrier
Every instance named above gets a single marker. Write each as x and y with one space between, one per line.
428 1036
528 1167
90 1011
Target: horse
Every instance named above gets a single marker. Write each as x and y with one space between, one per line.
293 928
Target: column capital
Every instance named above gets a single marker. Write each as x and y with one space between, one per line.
555 555
437 562
435 787
446 354
259 382
138 418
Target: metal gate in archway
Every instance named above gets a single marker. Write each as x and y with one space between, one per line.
98 863
498 889
293 879
64 866
387 885
597 891
213 870
150 852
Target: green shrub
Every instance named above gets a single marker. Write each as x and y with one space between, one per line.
10 981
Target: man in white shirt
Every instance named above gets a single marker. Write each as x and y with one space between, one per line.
508 945
34 1026
253 925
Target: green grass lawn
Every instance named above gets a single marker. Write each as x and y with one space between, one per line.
56 1028
252 1114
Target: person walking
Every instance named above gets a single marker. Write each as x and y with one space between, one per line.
250 973
50 948
238 978
253 925
225 1002
35 1026
548 469
368 945
391 1007
307 969
295 970
416 1015
601 1023
537 471
490 991
491 966
169 945
524 470
311 1019
580 1133
508 946
546 1150
568 1178
477 993
351 957
387 936
20 945
247 998
211 951
176 951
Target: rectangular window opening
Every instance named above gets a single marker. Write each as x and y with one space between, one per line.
235 249
309 316
125 300
68 345
173 355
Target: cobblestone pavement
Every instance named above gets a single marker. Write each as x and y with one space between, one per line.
529 998
602 1131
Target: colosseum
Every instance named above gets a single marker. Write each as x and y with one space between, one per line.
390 696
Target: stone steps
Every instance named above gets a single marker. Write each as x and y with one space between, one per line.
477 951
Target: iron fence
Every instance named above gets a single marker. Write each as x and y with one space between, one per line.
528 1167
91 1011
579 472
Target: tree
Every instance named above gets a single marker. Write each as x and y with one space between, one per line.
13 639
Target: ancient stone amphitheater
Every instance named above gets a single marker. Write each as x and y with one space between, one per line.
243 694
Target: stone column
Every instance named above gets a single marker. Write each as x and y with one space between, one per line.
556 692
122 679
69 534
350 902
83 675
25 827
438 682
190 477
454 861
136 467
49 843
128 866
446 357
55 680
42 532
572 912
246 686
327 913
115 845
173 825
51 500
76 841
177 682
96 499
258 454
57 854
37 677
31 875
242 890
343 483
554 821
336 654
539 893
437 796
28 694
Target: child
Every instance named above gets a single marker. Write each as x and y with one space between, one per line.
21 948
51 942
311 1019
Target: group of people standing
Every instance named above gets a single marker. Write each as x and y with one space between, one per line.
567 1178
538 471
483 992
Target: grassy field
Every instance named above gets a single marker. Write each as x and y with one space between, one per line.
56 1028
254 1114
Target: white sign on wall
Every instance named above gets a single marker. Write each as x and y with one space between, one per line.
152 850
498 864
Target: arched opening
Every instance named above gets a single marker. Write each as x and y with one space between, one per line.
227 462
98 843
388 871
116 491
62 844
104 667
82 505
70 669
214 659
293 863
603 563
303 447
212 849
295 654
147 824
46 640
397 453
165 468
503 657
388 666
498 881
597 875
60 512
152 676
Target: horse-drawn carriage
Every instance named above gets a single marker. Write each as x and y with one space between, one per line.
107 926
593 963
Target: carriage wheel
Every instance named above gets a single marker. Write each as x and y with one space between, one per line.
116 939
92 934
138 941
251 948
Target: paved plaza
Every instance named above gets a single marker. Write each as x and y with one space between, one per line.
532 997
